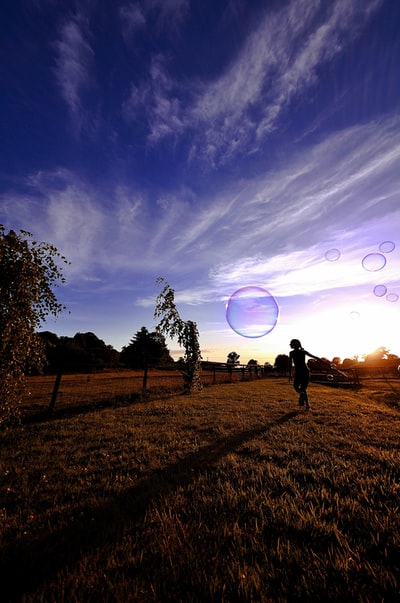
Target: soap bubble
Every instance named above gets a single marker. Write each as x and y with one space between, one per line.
380 290
332 255
392 297
387 246
374 262
329 377
354 315
252 312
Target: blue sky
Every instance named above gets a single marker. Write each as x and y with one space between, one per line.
220 145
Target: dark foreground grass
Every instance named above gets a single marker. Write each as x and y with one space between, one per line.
230 495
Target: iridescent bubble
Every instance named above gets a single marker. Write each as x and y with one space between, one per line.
332 255
374 262
329 377
380 290
252 312
387 246
392 297
354 315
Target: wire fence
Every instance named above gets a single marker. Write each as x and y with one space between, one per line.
80 390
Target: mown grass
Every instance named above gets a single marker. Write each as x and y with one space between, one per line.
230 495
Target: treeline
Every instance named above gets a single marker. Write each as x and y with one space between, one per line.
85 352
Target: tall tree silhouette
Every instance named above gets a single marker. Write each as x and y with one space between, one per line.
29 273
186 332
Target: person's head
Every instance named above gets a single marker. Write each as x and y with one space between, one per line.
295 344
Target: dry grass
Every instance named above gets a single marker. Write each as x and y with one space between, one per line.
230 495
83 389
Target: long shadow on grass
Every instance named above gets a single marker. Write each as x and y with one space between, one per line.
43 415
25 565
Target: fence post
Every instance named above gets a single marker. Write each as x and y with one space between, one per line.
55 390
144 384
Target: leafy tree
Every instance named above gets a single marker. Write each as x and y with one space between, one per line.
81 353
95 353
29 272
349 363
282 364
378 357
146 349
172 325
253 365
233 358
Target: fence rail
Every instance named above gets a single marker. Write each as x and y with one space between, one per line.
79 390
67 391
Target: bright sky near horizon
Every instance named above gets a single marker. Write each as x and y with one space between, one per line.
220 145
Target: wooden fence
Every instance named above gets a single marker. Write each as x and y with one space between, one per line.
67 391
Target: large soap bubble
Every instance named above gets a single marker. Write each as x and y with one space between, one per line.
374 262
252 312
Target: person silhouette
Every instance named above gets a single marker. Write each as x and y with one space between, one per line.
301 379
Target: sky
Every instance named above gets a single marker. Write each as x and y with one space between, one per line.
246 152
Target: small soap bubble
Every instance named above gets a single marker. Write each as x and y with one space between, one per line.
332 255
354 315
374 262
392 297
252 312
330 377
387 246
380 290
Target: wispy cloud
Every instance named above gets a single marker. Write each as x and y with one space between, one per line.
132 19
328 195
166 15
74 66
279 61
156 101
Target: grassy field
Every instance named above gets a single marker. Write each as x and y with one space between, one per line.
231 495
90 389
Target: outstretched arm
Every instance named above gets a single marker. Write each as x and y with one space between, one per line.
315 357
320 360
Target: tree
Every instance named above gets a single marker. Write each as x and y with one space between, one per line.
349 363
146 349
233 359
378 357
95 353
29 272
253 365
282 364
172 325
82 353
